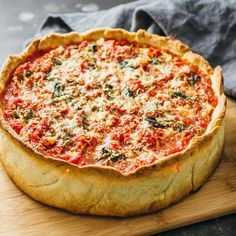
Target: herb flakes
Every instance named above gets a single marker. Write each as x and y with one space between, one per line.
179 94
58 89
154 61
111 155
92 48
123 64
193 79
128 92
154 122
28 73
15 114
57 62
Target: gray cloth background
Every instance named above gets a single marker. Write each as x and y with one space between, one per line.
208 27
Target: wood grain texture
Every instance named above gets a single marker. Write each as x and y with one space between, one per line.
21 215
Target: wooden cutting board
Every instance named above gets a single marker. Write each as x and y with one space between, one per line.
20 215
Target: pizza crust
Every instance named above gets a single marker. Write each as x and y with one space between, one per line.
104 190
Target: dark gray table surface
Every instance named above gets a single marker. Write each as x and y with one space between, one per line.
19 20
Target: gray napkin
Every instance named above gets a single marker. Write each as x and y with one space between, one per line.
208 27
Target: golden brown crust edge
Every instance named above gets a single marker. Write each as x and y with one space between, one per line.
49 181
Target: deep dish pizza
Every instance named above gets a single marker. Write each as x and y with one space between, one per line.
110 122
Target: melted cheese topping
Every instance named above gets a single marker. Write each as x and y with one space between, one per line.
109 103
